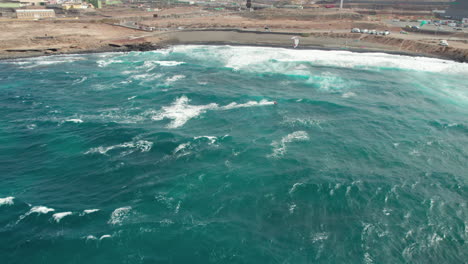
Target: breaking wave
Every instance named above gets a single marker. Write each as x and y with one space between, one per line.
140 145
270 59
7 201
280 147
119 215
59 216
180 111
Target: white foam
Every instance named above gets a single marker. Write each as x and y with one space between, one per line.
50 60
175 78
292 207
90 211
7 200
141 145
119 215
84 78
319 237
348 95
59 216
36 210
40 210
212 139
181 147
74 120
295 185
105 63
91 237
105 236
180 111
279 147
260 59
169 63
248 104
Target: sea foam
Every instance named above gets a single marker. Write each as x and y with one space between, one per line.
7 200
36 210
119 215
59 216
180 111
279 147
169 63
140 145
278 59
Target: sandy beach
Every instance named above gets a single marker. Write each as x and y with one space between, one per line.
48 37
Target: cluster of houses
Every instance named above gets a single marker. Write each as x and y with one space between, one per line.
40 9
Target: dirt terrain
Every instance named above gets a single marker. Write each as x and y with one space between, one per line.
317 29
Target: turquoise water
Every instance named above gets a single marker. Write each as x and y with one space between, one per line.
182 156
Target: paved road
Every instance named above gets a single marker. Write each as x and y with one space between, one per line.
427 26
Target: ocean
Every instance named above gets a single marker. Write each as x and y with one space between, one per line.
229 154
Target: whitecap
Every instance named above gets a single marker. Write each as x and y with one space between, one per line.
74 120
181 147
105 63
40 210
91 237
31 126
294 187
250 59
59 216
36 210
105 236
78 81
141 145
248 104
169 63
119 215
348 95
51 60
175 78
279 147
317 237
212 139
292 207
90 211
7 200
180 111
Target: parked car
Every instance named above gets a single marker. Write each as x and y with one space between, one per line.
403 32
386 32
443 43
415 27
355 30
365 31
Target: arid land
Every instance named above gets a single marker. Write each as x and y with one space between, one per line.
123 29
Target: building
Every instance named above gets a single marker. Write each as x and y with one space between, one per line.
35 13
84 5
33 2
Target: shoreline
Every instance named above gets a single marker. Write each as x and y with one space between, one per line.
236 37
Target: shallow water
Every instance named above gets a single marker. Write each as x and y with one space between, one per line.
182 156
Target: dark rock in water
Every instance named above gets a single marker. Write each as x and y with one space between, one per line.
146 46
